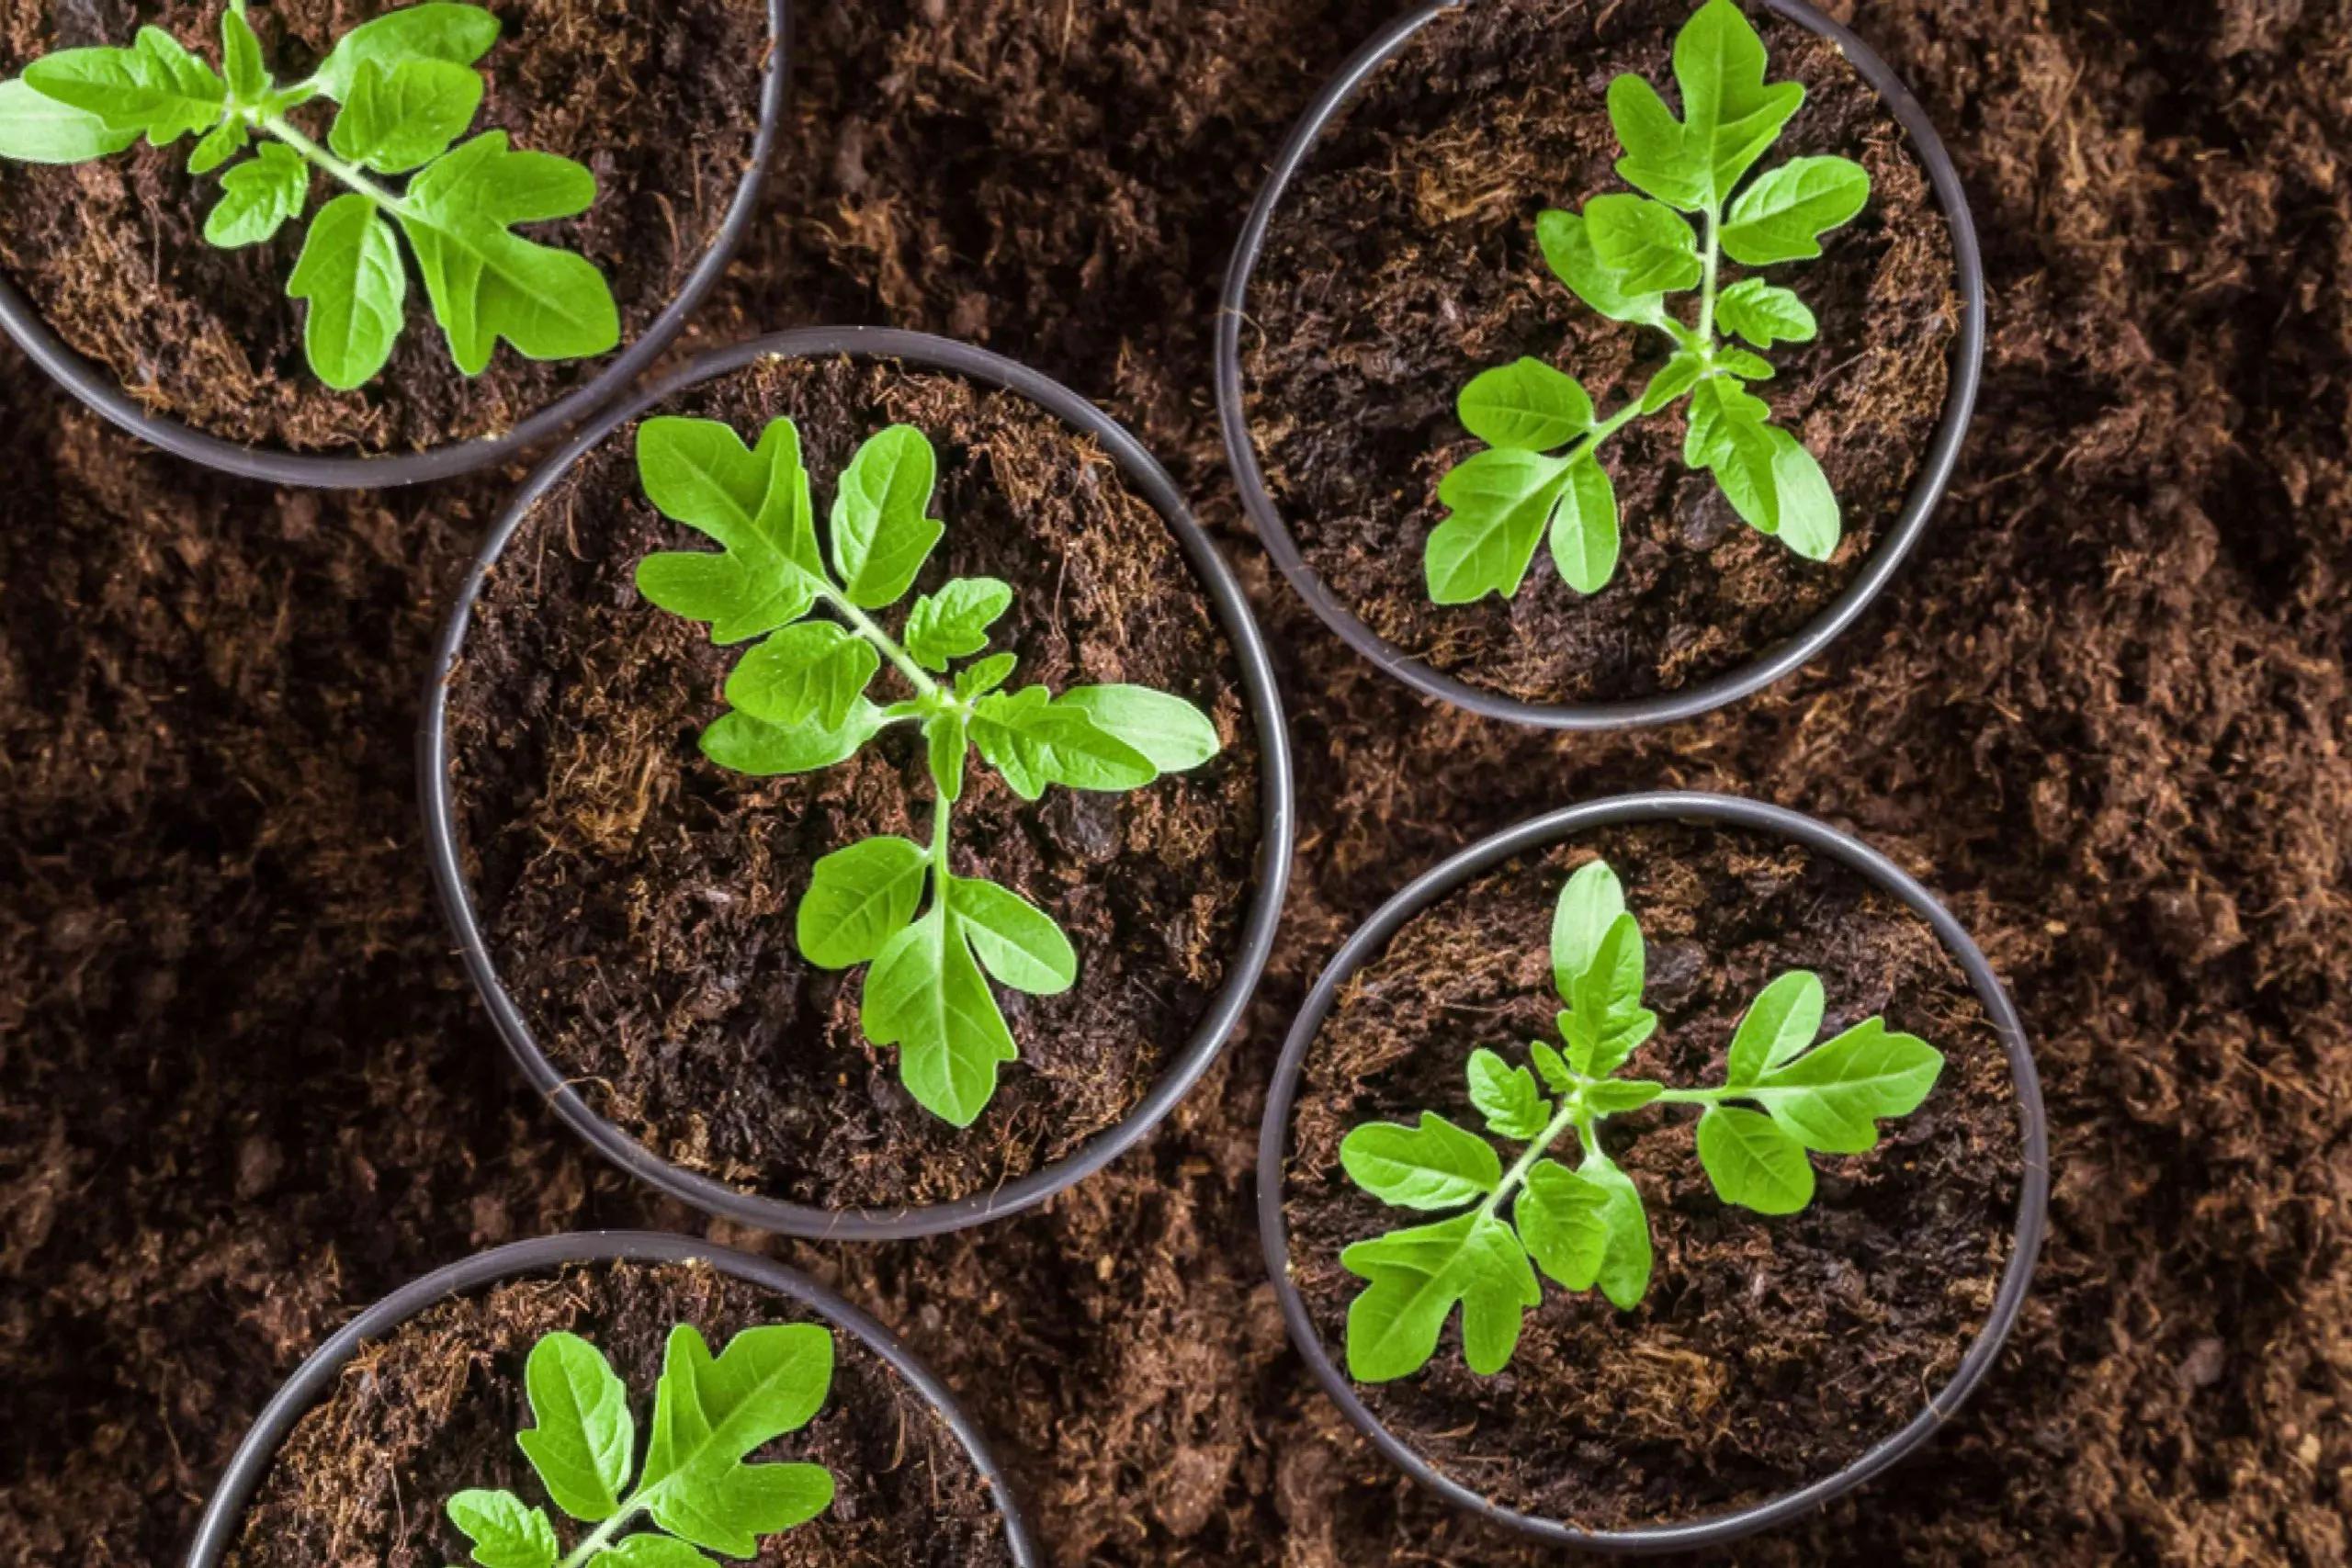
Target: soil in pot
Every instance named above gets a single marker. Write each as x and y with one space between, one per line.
1769 1352
1402 262
432 1410
639 900
658 99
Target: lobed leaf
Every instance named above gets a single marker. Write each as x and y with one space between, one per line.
1648 245
259 197
1563 1221
926 995
1831 1098
1034 741
754 505
350 271
858 899
506 1532
1567 250
1730 117
1753 1162
1417 1276
458 34
881 536
1014 940
1434 1166
1764 313
811 673
709 1414
220 144
1783 216
1607 1022
404 119
155 86
742 744
1778 1024
954 623
1497 504
584 1439
1527 406
1507 1097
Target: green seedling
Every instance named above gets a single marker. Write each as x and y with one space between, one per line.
695 1488
798 704
1584 1225
1623 255
407 91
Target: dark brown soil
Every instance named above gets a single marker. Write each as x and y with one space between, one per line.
246 1090
1769 1353
640 898
1403 262
432 1410
660 99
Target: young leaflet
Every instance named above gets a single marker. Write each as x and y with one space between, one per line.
709 1414
1584 1225
798 702
1622 257
407 91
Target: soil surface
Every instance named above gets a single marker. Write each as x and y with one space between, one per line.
1769 1352
640 900
1403 262
432 1409
246 1088
658 99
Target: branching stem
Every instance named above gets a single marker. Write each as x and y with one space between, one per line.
605 1534
278 126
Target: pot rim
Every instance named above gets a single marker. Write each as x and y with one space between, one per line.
1275 830
225 1511
1772 663
1729 811
101 390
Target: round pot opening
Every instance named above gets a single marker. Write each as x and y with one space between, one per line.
1690 622
319 1378
101 386
822 1146
1758 1317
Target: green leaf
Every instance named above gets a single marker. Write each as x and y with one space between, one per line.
1729 434
1764 313
458 34
979 680
1625 1266
1589 906
1809 521
742 744
259 197
707 1415
487 282
155 86
1742 363
881 536
241 60
1753 1162
810 674
1035 742
1563 1221
1607 1022
1014 940
926 995
1646 243
585 1439
1172 735
1780 1023
1584 527
38 128
1507 1097
1614 1097
1416 1277
1434 1165
954 623
1783 216
403 119
1831 1098
755 505
1567 250
947 742
1552 1065
1497 504
350 272
650 1552
1729 116
1675 377
220 144
1527 406
506 1532
859 899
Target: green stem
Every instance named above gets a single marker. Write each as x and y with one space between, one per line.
604 1534
939 820
1572 1114
1713 263
867 627
1699 1095
278 126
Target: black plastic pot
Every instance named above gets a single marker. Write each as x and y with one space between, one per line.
97 385
1935 472
1232 610
1274 1140
224 1514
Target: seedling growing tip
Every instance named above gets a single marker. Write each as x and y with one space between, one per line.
407 91
1623 255
1584 1225
695 1488
800 704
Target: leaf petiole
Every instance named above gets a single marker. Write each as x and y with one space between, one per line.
346 174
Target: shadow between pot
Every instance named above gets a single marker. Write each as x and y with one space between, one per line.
1918 509
216 1531
1370 939
1276 832
98 386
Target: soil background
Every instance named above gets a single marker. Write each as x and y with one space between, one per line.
243 1089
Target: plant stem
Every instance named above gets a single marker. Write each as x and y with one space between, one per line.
867 627
1572 1114
1713 263
278 126
602 1536
1700 1096
939 820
